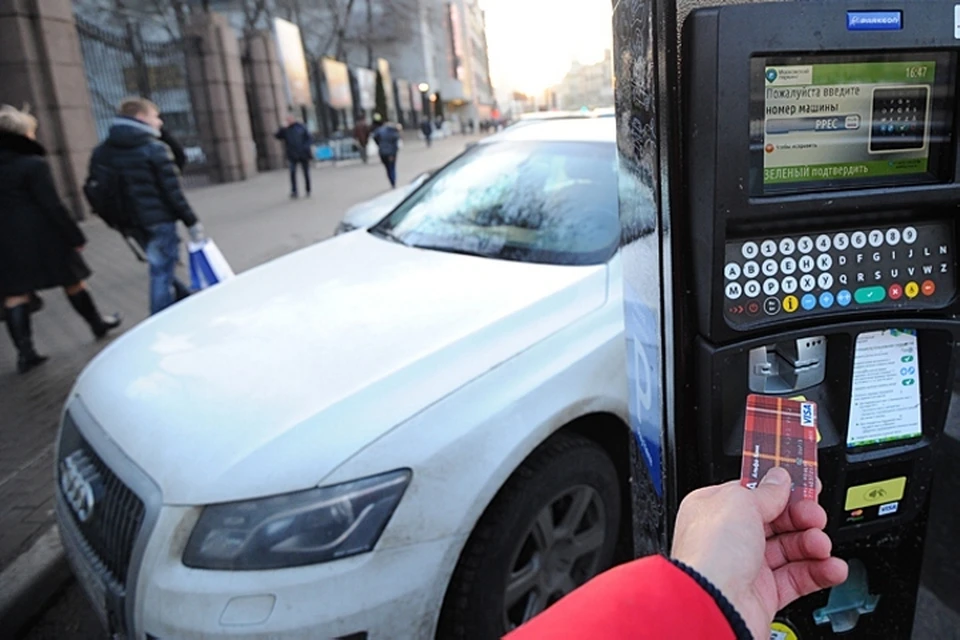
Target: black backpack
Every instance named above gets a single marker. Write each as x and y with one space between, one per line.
106 191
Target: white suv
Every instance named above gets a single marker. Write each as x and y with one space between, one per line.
414 431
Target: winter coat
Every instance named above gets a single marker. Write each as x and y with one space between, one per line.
652 598
297 141
426 128
361 133
151 178
179 155
387 138
38 235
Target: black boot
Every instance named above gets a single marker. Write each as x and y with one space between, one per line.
83 304
18 325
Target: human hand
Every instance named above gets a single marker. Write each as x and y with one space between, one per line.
759 552
197 234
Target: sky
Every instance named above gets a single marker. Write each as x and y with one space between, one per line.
531 43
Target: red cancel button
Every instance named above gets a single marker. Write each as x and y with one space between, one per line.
753 308
895 292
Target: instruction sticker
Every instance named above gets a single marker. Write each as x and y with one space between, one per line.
885 400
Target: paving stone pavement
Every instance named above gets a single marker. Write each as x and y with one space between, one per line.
252 221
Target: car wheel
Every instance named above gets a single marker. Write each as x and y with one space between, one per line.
552 527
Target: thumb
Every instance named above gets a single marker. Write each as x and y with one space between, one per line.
772 494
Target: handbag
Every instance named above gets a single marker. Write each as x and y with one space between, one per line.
207 265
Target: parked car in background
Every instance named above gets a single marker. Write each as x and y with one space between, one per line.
415 431
368 213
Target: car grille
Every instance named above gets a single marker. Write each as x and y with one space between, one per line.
112 526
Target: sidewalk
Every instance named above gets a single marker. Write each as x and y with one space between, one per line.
252 222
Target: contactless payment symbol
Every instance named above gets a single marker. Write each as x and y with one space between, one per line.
771 75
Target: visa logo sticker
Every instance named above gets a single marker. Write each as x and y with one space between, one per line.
887 509
808 414
874 20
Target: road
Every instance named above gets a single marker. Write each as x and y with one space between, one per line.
252 222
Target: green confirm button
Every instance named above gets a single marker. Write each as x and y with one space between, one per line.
866 295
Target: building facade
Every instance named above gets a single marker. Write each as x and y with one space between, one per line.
587 85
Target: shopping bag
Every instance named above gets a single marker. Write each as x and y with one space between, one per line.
207 265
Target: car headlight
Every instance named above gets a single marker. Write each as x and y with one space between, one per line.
295 529
344 227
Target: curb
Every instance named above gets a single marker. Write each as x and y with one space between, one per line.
27 584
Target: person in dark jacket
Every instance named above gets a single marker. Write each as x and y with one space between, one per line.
296 139
738 557
179 155
40 242
152 190
387 137
361 133
427 128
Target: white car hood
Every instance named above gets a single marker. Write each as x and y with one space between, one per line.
267 383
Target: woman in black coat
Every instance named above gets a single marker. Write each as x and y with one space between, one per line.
40 243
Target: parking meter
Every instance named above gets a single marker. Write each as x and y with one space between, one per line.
789 192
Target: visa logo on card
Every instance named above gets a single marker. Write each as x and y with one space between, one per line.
808 414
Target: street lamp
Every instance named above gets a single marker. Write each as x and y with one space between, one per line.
424 103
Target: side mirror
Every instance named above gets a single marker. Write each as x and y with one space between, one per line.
420 179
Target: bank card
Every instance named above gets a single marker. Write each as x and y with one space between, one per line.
781 432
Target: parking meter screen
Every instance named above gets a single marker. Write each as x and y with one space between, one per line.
843 122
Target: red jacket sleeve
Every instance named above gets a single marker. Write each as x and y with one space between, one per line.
647 598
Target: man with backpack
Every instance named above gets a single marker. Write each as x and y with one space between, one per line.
134 185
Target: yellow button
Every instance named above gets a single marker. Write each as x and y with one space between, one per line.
790 304
782 631
911 289
868 495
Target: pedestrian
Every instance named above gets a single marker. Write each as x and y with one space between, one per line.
179 155
152 194
387 137
738 557
40 243
361 133
427 128
296 139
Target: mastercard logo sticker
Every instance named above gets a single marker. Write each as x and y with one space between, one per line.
857 513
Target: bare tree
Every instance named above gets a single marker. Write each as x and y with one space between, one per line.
256 15
337 28
386 24
323 25
170 16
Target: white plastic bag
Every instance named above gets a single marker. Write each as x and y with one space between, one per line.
207 265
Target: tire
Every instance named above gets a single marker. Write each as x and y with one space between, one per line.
511 542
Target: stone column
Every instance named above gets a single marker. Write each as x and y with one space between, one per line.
267 100
216 81
41 65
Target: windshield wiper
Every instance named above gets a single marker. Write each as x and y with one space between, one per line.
448 249
388 234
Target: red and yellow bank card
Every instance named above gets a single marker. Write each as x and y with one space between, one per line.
781 432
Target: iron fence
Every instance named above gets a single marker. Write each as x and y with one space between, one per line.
120 63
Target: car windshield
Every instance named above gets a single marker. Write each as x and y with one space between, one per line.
544 202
